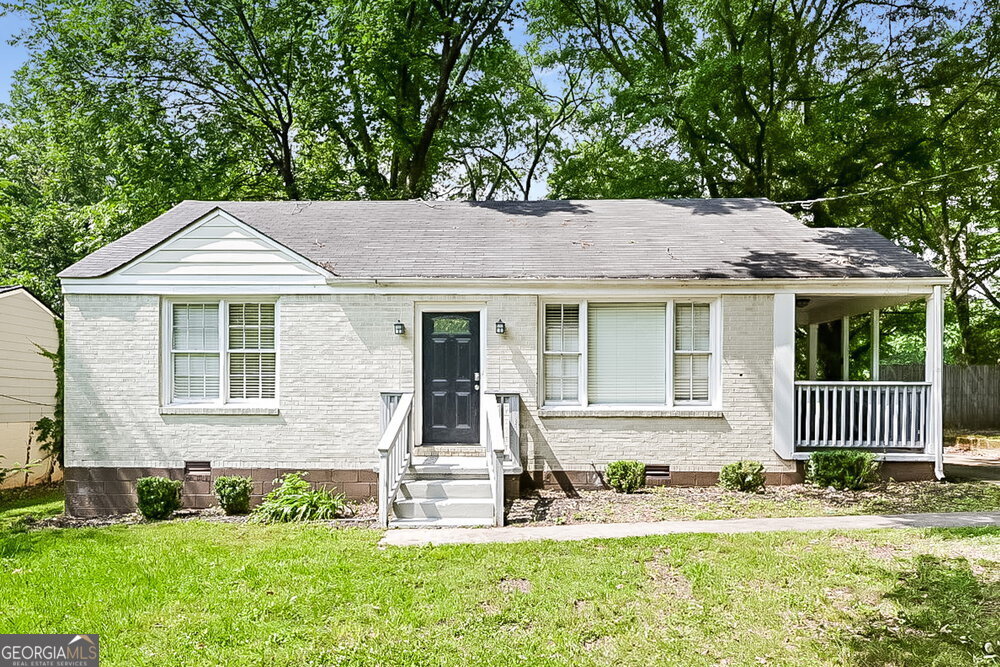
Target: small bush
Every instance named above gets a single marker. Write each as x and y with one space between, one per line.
234 494
842 469
626 476
295 500
158 497
745 476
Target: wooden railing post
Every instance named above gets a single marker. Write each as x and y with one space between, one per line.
395 450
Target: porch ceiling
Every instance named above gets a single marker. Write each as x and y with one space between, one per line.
828 308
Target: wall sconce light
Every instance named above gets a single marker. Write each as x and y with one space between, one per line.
399 328
501 327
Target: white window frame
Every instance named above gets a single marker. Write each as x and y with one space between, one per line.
715 361
166 361
580 354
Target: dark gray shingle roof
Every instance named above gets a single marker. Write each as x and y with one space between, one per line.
691 238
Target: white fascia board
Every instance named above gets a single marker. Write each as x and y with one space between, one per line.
559 287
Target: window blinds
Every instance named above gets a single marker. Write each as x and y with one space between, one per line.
627 353
562 352
692 352
195 351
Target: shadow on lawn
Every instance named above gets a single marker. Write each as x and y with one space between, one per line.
947 614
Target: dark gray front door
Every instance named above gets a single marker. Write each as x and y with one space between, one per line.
451 377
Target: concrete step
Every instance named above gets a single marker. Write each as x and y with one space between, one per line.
450 508
439 523
459 449
441 489
447 467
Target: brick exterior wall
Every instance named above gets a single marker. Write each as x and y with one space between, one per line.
337 353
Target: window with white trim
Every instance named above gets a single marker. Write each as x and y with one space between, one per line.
222 352
641 354
562 353
627 353
692 352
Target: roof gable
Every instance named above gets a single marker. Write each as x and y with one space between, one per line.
221 249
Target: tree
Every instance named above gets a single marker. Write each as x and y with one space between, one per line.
331 100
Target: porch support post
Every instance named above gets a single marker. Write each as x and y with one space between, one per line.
813 349
845 348
783 414
876 343
934 373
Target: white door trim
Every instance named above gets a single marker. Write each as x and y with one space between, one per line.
419 308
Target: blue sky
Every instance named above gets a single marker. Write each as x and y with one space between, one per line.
11 57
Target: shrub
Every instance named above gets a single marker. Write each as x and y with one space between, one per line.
745 476
295 500
234 494
842 468
158 496
626 476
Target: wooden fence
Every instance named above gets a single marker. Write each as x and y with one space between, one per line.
971 393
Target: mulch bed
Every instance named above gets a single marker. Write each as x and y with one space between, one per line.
681 503
364 515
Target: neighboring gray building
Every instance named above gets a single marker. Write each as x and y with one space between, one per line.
423 352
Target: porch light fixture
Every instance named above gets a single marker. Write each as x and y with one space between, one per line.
802 302
399 328
501 327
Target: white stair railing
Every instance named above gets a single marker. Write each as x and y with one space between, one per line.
866 415
510 419
395 450
495 448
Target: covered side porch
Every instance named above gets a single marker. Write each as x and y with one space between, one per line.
830 385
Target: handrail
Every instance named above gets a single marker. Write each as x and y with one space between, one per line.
866 415
395 451
510 419
495 448
859 383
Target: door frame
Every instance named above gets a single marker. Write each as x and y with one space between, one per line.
419 308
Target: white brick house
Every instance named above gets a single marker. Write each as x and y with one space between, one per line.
393 347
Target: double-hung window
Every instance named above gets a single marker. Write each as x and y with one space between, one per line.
633 354
222 352
562 353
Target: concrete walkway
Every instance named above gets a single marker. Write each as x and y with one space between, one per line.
965 466
422 536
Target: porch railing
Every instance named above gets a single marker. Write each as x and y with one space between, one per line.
867 415
510 420
395 449
495 448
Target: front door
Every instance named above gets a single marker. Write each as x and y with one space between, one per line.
451 377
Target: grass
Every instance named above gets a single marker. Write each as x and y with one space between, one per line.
39 502
200 593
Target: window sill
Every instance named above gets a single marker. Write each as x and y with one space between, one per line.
593 411
218 410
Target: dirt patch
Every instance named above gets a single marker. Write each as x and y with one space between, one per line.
514 585
364 514
667 580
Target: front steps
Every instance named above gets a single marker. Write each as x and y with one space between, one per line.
444 491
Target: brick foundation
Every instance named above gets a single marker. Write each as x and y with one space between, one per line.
102 491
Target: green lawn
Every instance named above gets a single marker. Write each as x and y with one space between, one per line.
195 592
37 502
